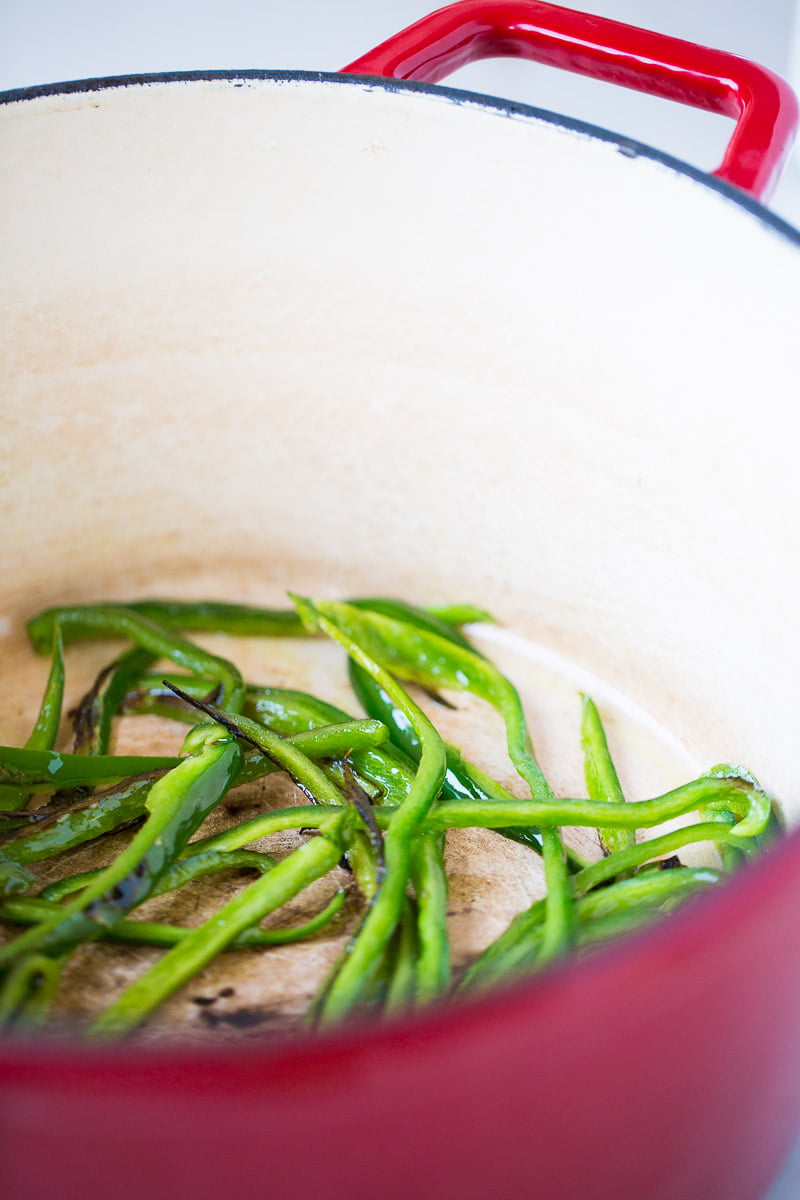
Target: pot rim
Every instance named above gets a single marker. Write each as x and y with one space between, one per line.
629 147
61 1061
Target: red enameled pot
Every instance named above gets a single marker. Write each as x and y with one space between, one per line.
357 332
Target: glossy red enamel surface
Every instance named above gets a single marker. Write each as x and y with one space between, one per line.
665 1069
763 105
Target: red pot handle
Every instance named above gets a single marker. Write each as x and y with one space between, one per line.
763 105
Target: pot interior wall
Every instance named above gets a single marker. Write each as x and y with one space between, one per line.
331 336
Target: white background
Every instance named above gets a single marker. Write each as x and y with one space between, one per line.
47 41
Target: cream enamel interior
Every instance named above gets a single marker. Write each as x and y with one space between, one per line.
300 334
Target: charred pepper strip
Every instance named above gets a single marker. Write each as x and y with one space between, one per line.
381 920
45 731
150 694
177 804
89 621
93 716
365 853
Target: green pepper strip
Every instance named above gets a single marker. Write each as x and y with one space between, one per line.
485 789
424 657
45 731
751 804
323 742
281 709
461 777
180 873
518 948
177 804
710 791
88 621
315 782
49 770
620 861
651 888
305 816
243 620
402 989
236 620
286 754
427 864
380 921
126 803
597 931
614 866
461 614
309 862
28 990
409 614
70 830
154 933
602 781
430 888
287 712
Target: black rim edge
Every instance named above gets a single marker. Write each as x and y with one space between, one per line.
510 108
